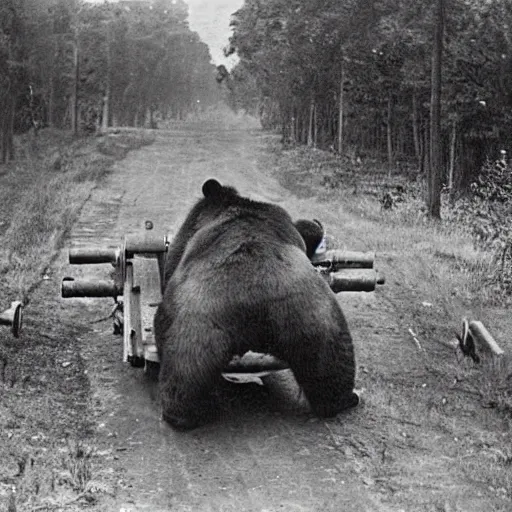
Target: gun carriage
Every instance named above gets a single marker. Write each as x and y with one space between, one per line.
137 287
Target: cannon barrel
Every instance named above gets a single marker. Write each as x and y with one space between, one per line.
336 259
13 317
354 280
153 243
84 288
84 255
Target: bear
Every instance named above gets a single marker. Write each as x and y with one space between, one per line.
238 278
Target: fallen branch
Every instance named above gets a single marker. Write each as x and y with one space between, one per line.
416 340
56 506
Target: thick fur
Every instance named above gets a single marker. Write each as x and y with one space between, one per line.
237 278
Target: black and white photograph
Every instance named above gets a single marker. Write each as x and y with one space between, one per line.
255 255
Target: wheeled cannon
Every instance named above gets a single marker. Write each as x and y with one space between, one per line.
13 318
138 280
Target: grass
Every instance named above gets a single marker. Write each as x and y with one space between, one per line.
46 189
48 461
435 277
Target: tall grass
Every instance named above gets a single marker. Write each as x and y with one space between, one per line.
57 175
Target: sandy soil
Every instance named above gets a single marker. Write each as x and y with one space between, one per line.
407 447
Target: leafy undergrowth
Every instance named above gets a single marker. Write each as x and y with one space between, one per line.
437 274
48 459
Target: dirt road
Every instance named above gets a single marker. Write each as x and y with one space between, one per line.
405 448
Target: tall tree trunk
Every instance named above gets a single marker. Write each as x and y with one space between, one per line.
341 106
10 128
74 97
453 141
426 151
415 128
107 99
3 129
304 126
328 127
315 126
436 158
310 123
7 125
51 84
389 134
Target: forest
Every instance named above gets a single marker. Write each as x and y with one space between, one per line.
422 87
86 66
358 75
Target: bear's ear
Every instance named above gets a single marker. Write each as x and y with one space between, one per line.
320 224
312 232
212 188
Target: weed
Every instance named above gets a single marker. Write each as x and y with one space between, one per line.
77 465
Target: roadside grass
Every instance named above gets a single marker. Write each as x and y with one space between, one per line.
48 461
42 195
435 277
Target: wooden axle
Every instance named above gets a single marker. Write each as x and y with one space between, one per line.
151 243
13 317
346 280
148 243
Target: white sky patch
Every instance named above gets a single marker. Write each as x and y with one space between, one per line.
210 19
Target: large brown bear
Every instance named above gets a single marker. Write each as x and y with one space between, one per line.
238 278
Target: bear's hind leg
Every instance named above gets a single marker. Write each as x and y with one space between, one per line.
323 365
189 375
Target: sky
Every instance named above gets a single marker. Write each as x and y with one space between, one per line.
210 19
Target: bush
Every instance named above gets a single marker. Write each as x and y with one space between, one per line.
487 213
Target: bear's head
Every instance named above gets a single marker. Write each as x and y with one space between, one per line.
311 231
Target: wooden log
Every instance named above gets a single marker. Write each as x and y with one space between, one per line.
254 362
86 255
13 317
84 288
336 259
482 336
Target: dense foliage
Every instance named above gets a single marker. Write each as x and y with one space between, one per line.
66 63
357 74
487 211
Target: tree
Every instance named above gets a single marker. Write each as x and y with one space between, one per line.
436 158
80 66
294 50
